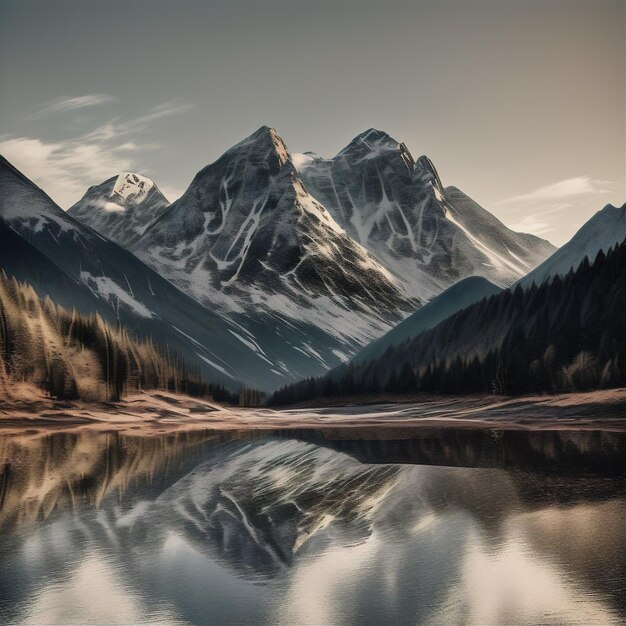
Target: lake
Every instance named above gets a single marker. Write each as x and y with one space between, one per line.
335 526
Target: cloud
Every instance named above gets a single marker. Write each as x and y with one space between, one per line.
533 224
65 169
64 104
568 188
111 207
166 109
115 128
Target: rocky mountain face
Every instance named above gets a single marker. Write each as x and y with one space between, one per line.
121 207
248 239
290 259
427 235
76 266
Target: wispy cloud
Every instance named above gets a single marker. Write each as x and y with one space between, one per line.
568 188
175 107
64 104
116 128
533 224
65 169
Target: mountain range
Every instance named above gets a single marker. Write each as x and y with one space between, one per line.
428 235
79 267
272 266
248 239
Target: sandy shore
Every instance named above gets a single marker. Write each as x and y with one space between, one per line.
158 412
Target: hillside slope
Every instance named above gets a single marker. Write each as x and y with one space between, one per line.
567 334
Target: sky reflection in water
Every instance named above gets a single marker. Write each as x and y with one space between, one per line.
196 528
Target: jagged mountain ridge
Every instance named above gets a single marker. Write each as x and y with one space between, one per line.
77 266
121 207
247 238
428 235
249 241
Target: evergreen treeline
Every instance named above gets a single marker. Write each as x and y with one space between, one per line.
251 397
567 334
72 356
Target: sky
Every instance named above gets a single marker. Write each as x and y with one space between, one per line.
519 103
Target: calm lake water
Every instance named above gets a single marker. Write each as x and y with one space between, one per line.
336 527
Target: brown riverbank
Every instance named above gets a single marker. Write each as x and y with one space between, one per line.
160 412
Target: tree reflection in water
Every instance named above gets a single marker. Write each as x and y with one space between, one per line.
341 525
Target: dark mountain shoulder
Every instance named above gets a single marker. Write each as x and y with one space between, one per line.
460 295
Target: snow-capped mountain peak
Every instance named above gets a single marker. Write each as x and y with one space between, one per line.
121 207
247 238
398 209
264 141
129 185
371 144
602 231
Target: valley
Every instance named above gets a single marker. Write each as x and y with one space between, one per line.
312 313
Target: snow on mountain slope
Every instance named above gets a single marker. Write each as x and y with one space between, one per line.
460 295
246 237
132 186
28 208
121 207
256 505
427 235
24 261
101 276
605 229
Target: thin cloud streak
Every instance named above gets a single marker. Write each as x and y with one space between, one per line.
166 109
65 104
568 188
533 224
65 169
114 128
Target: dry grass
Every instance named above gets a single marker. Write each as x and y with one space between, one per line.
158 412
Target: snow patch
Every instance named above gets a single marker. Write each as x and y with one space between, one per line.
110 290
342 356
301 160
129 185
219 368
108 206
252 345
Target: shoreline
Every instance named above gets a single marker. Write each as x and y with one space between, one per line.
160 412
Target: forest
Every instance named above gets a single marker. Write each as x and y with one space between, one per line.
73 356
567 334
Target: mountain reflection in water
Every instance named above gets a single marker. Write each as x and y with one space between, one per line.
337 526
